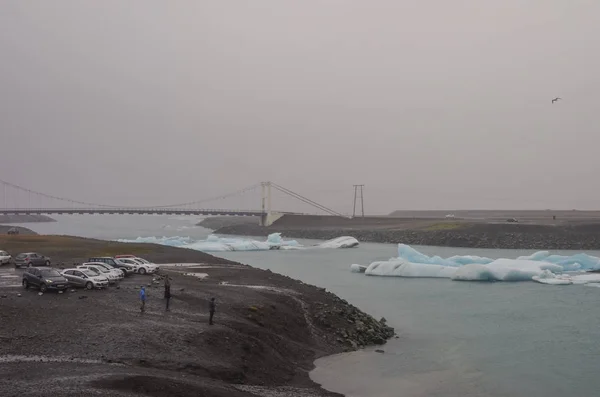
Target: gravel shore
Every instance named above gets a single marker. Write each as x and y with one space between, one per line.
268 329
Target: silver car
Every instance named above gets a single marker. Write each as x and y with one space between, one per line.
112 278
85 278
5 258
117 272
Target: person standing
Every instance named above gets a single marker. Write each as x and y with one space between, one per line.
143 299
211 309
167 292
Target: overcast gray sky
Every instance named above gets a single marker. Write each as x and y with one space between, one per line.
431 104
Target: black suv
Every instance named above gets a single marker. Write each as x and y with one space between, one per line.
44 279
127 269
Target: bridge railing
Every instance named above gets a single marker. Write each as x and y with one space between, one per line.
26 211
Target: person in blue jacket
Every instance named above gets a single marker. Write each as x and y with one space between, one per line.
143 299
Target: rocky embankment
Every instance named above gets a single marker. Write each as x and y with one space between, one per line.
268 329
509 236
25 218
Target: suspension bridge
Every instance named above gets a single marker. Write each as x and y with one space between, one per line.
19 200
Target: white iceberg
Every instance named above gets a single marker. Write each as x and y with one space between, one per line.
540 267
215 243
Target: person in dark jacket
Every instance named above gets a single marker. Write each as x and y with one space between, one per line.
211 309
167 292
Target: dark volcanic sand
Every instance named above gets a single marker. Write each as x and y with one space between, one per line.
268 329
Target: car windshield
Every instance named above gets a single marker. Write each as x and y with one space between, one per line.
142 261
106 266
50 273
3 253
89 273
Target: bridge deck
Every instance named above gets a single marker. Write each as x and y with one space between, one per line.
127 211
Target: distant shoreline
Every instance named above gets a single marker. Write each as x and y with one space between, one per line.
448 234
8 219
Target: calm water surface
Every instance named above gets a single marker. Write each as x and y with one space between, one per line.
456 338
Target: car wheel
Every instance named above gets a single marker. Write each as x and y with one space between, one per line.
25 284
142 271
47 263
89 285
43 287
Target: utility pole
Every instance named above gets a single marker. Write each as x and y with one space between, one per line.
362 202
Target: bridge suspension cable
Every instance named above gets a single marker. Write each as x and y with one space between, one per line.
49 196
88 204
38 196
221 197
305 199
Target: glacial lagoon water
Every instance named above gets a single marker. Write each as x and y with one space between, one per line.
455 338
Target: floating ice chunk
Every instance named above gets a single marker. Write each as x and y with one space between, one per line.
565 279
410 254
215 243
358 268
547 277
540 267
552 281
504 270
340 242
402 268
569 263
586 278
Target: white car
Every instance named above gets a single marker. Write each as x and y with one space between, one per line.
5 258
146 267
116 271
131 262
85 278
140 266
101 271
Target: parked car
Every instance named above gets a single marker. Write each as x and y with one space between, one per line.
44 279
13 230
129 261
145 266
139 266
5 258
31 259
113 262
85 278
101 271
117 272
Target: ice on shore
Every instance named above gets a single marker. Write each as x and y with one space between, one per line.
541 267
215 243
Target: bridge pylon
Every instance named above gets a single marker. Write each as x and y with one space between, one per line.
268 217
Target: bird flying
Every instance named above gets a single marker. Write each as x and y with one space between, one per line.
556 99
